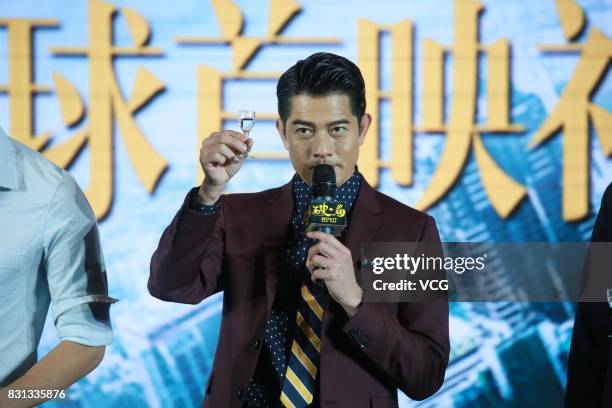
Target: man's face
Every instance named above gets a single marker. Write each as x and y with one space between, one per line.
323 130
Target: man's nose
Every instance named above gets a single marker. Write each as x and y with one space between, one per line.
323 146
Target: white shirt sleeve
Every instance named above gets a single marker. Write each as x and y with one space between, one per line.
75 269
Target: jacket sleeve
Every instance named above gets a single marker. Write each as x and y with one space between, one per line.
412 347
186 267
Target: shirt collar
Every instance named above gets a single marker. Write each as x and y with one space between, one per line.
8 163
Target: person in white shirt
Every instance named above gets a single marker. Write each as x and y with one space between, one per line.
49 256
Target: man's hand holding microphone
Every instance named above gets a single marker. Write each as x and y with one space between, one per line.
328 260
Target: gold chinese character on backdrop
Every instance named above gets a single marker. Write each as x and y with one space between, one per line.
400 95
108 106
20 88
574 109
463 134
210 80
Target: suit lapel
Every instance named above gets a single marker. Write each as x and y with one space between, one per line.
364 222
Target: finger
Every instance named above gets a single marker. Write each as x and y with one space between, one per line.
211 139
319 275
311 266
222 149
228 138
327 238
319 261
249 143
324 249
214 159
320 236
233 134
331 251
234 143
312 251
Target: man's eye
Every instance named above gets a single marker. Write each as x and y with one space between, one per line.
338 130
303 131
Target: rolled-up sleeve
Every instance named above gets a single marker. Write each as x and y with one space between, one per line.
75 269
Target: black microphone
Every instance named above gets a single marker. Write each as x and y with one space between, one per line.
324 213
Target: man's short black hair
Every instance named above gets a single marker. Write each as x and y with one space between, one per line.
321 74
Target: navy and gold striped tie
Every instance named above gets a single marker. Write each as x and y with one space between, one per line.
303 365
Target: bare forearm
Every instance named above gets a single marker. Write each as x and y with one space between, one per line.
63 366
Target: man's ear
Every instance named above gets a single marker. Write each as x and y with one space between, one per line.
364 125
280 127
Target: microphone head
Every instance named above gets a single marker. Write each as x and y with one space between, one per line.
324 181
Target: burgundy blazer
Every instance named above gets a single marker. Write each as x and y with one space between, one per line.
364 359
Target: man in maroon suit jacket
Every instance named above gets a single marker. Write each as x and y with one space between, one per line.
239 243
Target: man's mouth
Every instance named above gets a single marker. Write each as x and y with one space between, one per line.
316 164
